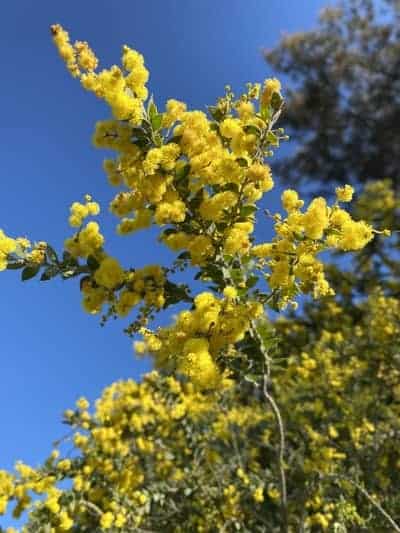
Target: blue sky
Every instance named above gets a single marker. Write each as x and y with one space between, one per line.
51 352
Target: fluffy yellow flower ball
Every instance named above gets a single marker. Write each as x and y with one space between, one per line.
109 274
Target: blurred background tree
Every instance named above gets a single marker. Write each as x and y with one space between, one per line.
343 106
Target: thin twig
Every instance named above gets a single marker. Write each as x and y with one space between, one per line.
278 417
266 377
281 453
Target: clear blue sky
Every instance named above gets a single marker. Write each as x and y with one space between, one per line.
51 352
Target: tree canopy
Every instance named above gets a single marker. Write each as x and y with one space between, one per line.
343 103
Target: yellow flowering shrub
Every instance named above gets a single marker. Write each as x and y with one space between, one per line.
245 425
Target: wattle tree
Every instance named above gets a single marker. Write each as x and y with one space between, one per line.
247 423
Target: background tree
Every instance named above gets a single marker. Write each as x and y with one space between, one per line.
343 107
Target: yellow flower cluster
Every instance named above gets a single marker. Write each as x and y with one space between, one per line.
335 373
378 204
109 274
124 93
6 490
133 442
384 324
271 86
345 193
143 428
141 285
202 170
87 241
7 246
301 236
20 249
151 189
200 247
192 345
38 253
79 56
202 176
144 284
173 112
93 297
81 211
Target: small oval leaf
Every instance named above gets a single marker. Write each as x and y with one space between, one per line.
29 272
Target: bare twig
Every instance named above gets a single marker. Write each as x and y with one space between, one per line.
270 399
281 453
278 417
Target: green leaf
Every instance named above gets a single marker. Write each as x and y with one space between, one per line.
246 259
242 292
265 113
274 301
141 143
182 172
176 139
242 162
247 210
92 263
276 101
49 273
152 109
175 294
29 272
267 333
221 226
253 378
184 256
69 259
158 140
15 265
83 280
213 272
272 139
195 202
232 187
216 113
147 129
169 231
156 121
236 274
252 280
138 133
250 128
51 254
